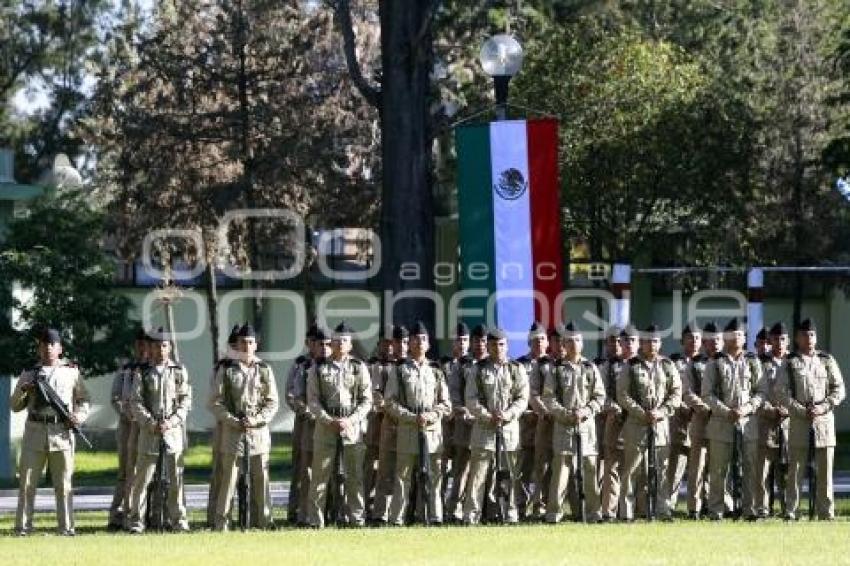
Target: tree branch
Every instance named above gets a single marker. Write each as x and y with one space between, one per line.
342 16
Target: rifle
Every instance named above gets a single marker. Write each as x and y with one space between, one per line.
737 480
336 506
579 476
158 495
52 398
424 473
503 476
243 486
783 468
810 470
652 474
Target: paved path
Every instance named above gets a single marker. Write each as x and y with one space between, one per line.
99 498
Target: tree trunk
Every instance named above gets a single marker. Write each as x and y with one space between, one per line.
407 216
212 309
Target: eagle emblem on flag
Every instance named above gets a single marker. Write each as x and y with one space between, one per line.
511 184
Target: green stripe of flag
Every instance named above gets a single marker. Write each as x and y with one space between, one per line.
475 211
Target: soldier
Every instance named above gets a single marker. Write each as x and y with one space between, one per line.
573 393
542 465
732 388
142 364
244 401
118 510
680 445
463 422
160 404
386 452
298 373
612 441
320 350
496 395
698 487
772 425
810 387
538 346
417 398
339 394
649 390
215 473
377 370
460 353
47 439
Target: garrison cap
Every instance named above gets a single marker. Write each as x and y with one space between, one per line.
536 330
234 334
49 336
569 330
496 333
778 329
807 325
400 332
629 331
762 334
480 331
247 331
710 327
733 325
342 329
462 329
419 328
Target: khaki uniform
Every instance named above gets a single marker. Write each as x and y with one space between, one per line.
385 431
728 384
493 387
680 442
249 390
641 387
541 476
338 388
414 389
567 387
771 429
527 432
816 380
461 435
377 369
117 511
160 393
132 439
302 440
609 433
698 487
48 440
215 473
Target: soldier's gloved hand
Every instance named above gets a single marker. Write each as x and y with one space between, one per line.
75 422
245 422
162 427
814 411
781 412
496 418
735 415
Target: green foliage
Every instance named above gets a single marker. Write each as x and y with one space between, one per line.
55 253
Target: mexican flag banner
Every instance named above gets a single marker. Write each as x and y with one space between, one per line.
510 236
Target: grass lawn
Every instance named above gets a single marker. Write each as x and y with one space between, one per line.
772 542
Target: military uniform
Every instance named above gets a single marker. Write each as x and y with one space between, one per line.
376 481
415 388
816 381
338 389
542 465
117 509
47 439
610 426
387 440
570 387
493 387
302 440
528 422
161 392
215 441
461 436
772 431
244 390
680 442
643 386
698 486
732 383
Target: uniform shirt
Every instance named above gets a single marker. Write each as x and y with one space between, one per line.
161 392
247 389
339 388
770 425
66 381
415 388
568 386
492 387
680 421
644 386
804 380
732 383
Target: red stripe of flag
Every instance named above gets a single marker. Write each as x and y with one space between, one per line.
545 215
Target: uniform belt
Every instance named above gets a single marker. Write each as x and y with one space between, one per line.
46 419
340 412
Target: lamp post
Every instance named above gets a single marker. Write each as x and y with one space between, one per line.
501 58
